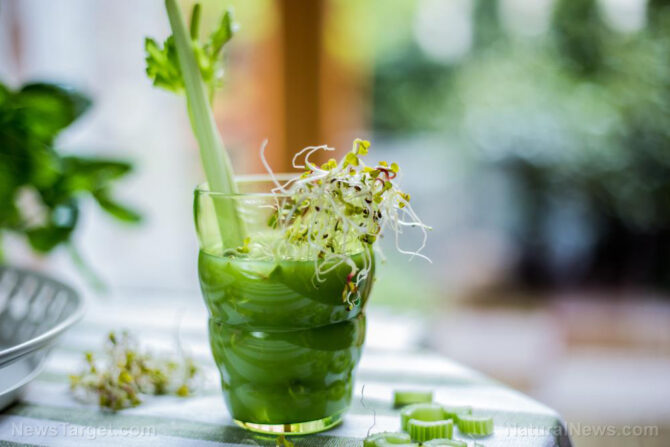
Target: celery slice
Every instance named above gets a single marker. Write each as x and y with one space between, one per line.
215 160
422 412
445 442
388 438
385 443
475 425
404 398
426 430
452 412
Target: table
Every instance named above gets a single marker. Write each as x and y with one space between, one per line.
49 415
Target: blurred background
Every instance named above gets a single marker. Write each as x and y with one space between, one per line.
534 137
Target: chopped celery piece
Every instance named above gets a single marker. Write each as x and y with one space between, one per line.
421 412
445 442
403 398
426 430
388 438
452 412
385 443
475 425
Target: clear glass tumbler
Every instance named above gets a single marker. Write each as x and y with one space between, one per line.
286 344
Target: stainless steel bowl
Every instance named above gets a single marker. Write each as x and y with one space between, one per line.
34 311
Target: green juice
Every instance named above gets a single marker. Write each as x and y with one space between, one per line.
286 345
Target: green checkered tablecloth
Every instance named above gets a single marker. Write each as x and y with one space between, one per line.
48 415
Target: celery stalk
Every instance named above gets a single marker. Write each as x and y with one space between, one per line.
215 160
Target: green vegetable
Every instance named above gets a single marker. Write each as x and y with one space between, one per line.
445 442
404 398
386 443
432 421
452 412
49 185
426 430
185 64
475 425
163 63
422 412
388 439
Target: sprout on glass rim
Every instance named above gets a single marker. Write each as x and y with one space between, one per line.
333 211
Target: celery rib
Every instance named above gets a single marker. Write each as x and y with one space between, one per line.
215 160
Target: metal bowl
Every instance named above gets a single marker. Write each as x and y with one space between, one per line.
34 311
15 377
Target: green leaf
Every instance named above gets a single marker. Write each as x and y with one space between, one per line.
163 65
61 224
5 93
116 209
45 167
221 35
45 239
92 174
46 109
30 120
195 21
77 175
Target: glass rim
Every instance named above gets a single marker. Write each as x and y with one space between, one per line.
203 188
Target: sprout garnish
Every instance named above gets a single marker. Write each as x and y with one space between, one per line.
337 209
124 374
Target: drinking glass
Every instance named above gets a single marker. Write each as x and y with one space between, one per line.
284 341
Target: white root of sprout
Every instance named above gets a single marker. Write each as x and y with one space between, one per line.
336 211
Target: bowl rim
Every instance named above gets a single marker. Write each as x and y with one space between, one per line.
14 352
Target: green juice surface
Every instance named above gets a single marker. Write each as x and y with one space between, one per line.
286 345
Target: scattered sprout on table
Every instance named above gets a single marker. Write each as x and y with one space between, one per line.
374 412
124 373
